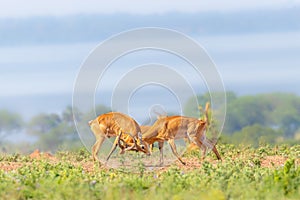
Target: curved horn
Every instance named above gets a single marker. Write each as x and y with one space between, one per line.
134 146
119 141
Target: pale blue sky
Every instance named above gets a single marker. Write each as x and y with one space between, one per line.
17 8
43 69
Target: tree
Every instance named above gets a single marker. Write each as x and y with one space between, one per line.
99 109
43 123
10 123
245 111
67 115
285 112
58 130
256 134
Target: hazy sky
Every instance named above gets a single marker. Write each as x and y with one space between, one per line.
39 73
17 8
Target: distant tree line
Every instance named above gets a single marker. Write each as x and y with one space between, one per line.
51 131
251 120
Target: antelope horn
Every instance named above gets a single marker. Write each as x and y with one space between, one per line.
134 146
130 148
119 141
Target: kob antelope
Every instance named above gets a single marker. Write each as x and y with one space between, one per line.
118 125
176 127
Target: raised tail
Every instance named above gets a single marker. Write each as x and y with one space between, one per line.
207 117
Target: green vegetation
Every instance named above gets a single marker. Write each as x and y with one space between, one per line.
245 173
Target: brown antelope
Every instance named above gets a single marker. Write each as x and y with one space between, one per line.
121 126
176 127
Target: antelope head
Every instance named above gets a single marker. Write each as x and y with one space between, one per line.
142 146
138 144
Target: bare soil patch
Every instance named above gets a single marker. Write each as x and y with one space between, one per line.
90 166
10 166
273 161
36 154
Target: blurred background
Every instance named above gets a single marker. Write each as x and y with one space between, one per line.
255 46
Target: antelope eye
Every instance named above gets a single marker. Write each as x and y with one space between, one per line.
143 147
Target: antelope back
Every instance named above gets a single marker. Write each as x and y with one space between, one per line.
158 126
116 122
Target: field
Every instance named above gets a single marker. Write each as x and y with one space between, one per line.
245 173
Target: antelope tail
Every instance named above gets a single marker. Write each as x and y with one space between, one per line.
207 109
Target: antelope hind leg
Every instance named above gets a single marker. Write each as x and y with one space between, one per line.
216 152
96 147
203 146
209 144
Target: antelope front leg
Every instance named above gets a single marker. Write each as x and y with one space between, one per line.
113 147
96 147
174 150
161 147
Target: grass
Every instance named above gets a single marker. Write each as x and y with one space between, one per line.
245 173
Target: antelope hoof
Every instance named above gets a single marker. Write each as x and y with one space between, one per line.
97 162
184 163
105 164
